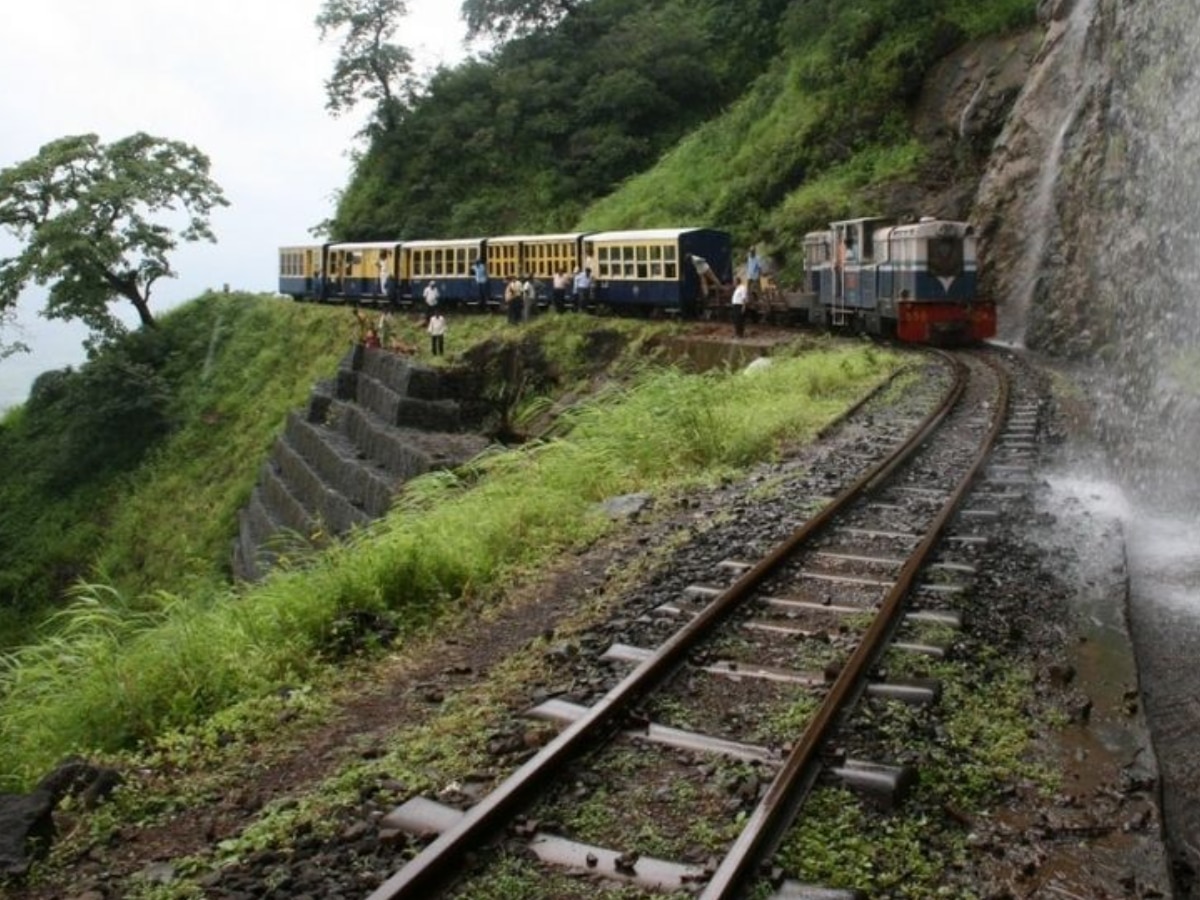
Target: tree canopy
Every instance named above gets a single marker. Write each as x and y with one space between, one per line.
510 18
98 221
526 138
370 65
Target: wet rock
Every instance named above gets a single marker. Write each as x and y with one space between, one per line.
26 830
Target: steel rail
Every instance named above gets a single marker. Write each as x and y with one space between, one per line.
780 803
436 863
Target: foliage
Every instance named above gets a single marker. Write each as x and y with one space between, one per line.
504 18
112 679
99 221
136 464
764 117
524 140
369 66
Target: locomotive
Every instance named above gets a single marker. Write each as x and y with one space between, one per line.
914 281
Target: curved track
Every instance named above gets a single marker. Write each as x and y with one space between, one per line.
860 561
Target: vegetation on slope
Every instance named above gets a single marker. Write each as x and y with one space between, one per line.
116 674
132 468
764 118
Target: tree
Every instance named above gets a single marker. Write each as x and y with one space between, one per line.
369 66
513 18
93 220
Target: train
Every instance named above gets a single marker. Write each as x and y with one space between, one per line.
645 270
914 281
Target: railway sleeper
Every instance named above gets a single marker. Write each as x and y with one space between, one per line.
948 617
564 713
424 818
913 691
794 890
884 784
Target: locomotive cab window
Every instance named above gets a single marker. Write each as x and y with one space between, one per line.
945 256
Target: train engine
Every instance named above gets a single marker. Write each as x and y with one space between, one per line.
916 282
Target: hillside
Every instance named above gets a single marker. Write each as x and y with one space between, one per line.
802 112
126 663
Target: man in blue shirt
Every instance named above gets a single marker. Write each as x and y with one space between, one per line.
753 274
479 267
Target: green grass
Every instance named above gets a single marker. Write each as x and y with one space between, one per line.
121 671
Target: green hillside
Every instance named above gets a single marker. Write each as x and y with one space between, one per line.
156 639
766 118
121 482
132 468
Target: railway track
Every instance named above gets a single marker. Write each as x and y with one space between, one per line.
727 692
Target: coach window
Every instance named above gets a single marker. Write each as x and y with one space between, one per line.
670 262
656 267
643 271
602 263
627 257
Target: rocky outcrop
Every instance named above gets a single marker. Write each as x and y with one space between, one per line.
1053 178
381 421
27 826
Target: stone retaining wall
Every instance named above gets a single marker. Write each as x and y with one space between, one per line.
381 421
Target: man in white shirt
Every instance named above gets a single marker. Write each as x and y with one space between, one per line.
432 295
738 305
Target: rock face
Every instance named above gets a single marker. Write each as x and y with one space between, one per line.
1089 213
380 422
1049 186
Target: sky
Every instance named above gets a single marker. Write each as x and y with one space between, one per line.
241 80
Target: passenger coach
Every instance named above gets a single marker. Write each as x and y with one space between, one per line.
448 263
300 268
648 270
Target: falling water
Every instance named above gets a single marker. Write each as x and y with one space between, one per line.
1064 84
1113 281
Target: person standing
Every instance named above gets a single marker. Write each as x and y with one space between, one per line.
479 268
513 295
384 329
583 289
528 298
738 305
437 333
753 274
559 291
432 295
384 273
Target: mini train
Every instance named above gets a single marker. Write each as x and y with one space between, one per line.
644 271
915 281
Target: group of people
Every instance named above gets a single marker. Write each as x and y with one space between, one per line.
381 334
520 299
746 289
